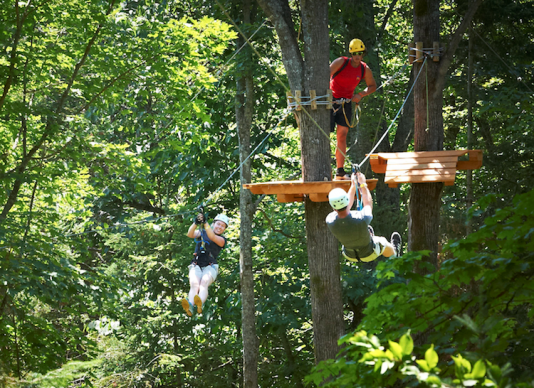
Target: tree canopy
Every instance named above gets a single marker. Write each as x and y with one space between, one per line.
117 120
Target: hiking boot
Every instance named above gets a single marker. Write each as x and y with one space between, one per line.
371 230
198 303
341 175
187 307
396 241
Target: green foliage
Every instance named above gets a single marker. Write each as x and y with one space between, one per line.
477 306
367 363
131 137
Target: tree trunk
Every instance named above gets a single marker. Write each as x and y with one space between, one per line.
469 173
428 132
244 110
313 74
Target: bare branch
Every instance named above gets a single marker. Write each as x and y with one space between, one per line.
446 59
278 230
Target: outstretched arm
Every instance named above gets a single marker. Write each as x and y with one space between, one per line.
366 194
214 237
352 191
193 232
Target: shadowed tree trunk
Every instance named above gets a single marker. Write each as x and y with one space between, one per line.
244 110
311 72
425 198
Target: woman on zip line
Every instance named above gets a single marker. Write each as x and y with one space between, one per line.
204 268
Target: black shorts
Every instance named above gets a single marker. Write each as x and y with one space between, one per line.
337 116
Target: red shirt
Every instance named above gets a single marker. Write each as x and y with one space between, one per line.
344 83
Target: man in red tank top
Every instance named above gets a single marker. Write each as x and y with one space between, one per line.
345 75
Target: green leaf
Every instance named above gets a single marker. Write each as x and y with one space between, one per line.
468 322
423 364
479 370
431 357
495 372
434 380
406 343
396 349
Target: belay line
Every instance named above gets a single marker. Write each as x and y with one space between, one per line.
187 212
396 116
292 106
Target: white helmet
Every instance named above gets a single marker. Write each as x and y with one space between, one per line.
338 198
223 218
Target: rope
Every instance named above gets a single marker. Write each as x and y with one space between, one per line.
503 61
351 122
277 77
396 116
221 70
287 113
186 212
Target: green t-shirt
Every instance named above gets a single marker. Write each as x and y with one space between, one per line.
352 231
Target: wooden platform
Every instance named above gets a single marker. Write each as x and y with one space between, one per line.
426 166
294 191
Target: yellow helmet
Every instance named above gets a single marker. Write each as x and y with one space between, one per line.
356 45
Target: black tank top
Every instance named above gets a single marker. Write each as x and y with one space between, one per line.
210 253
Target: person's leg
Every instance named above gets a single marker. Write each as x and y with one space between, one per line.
209 274
341 148
194 283
195 276
387 248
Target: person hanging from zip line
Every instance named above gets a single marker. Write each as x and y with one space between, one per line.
204 268
353 229
346 74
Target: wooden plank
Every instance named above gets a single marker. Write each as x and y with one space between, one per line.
422 166
435 52
420 179
313 95
474 162
407 161
289 99
317 197
419 154
294 191
469 165
378 164
445 174
408 173
329 99
419 53
284 198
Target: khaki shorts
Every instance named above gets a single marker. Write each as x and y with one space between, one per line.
380 246
199 272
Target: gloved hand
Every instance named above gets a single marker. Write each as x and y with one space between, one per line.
200 219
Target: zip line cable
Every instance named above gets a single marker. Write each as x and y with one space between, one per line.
185 212
275 75
297 102
503 61
219 72
396 116
285 115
